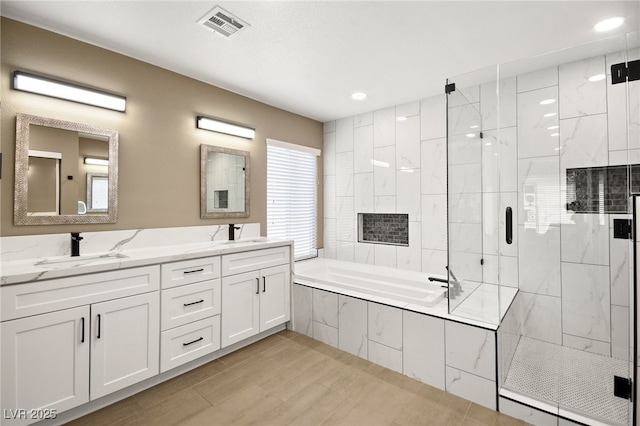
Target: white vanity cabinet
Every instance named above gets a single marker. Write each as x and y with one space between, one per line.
190 318
102 338
125 338
68 342
45 363
255 292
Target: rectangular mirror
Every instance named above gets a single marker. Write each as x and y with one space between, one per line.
224 182
65 172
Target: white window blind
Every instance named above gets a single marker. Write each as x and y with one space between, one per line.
292 184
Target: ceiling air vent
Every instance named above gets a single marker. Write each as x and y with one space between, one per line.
223 22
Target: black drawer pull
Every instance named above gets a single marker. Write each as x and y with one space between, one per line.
194 303
99 325
191 343
264 284
257 285
194 271
82 341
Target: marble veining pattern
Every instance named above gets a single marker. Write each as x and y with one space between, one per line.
578 95
385 325
352 329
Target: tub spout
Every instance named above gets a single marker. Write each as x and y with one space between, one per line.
453 286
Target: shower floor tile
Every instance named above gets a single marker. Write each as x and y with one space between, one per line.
576 381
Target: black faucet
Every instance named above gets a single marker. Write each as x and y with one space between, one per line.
75 243
232 229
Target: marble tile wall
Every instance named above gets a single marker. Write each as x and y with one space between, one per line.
448 355
388 161
573 275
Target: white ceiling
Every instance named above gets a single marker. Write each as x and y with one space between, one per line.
307 57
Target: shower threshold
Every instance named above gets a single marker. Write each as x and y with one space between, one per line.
567 382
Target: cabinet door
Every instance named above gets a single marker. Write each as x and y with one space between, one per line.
240 307
275 295
45 362
125 343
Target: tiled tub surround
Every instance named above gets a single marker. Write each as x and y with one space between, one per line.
423 342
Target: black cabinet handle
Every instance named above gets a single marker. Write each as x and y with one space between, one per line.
264 284
99 325
509 225
82 341
194 271
193 303
191 343
257 285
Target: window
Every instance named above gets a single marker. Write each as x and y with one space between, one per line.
292 182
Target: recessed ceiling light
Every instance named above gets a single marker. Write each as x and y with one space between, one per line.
549 114
470 135
555 134
609 24
359 96
597 77
475 126
553 127
547 101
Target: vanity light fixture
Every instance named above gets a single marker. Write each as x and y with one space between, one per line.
215 125
68 91
96 161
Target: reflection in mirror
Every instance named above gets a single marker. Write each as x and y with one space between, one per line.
97 192
224 182
66 173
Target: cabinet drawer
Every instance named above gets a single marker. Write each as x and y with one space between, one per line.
39 297
188 342
190 271
188 303
238 263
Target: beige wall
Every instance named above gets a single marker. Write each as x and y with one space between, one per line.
159 176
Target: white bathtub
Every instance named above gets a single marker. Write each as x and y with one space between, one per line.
371 282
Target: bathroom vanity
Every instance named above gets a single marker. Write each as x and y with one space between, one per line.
80 333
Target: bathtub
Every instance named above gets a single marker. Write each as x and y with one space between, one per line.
371 283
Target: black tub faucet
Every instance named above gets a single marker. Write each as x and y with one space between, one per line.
75 243
232 229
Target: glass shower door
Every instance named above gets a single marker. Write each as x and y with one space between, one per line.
472 203
577 146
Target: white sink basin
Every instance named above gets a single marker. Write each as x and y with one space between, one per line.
246 241
79 259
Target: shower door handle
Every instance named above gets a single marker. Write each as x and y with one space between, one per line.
509 225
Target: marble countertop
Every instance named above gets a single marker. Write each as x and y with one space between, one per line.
45 268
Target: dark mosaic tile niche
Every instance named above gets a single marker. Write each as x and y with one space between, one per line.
602 189
383 228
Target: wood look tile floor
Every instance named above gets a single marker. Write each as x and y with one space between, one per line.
290 379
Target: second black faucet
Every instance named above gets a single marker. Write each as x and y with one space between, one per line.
75 243
232 228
